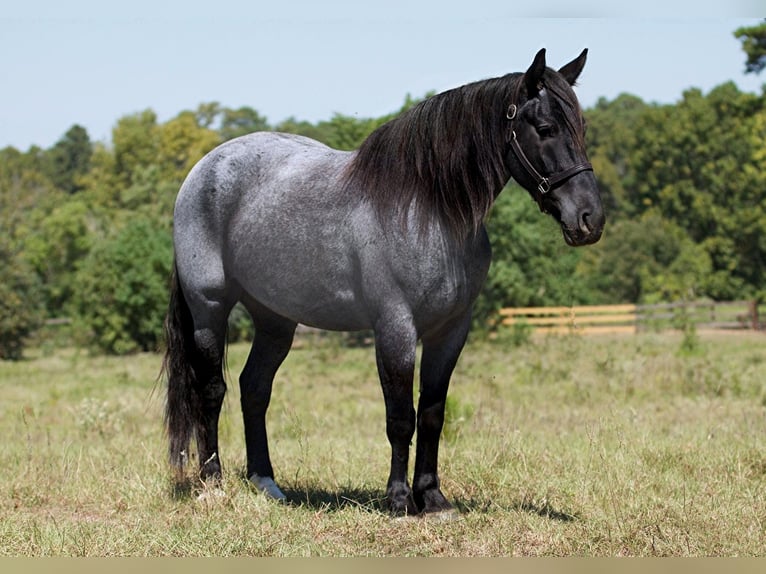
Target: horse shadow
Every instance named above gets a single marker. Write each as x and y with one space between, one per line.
373 500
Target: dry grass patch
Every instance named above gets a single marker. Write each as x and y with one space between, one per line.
565 446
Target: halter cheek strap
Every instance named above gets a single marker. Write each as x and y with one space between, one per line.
544 183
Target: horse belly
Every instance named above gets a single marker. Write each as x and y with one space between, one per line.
316 304
308 281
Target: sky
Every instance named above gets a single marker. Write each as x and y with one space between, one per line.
92 62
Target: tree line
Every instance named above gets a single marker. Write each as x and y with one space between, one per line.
85 227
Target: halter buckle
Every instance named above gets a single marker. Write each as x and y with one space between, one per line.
544 186
511 113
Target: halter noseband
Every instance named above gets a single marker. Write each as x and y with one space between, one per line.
544 184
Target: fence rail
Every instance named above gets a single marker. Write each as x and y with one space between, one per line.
629 318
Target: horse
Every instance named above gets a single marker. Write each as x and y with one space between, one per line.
388 238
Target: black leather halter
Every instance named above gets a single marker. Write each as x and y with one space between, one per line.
544 183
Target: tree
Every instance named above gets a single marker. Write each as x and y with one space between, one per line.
244 120
62 238
753 40
136 144
70 159
122 289
645 260
20 312
611 140
688 162
531 264
181 143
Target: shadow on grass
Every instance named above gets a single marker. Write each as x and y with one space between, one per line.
544 509
374 500
182 490
371 500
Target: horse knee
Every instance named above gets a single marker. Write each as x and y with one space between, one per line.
400 430
431 420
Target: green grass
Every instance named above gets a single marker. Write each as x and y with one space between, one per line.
563 446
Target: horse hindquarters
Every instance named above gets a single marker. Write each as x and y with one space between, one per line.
193 368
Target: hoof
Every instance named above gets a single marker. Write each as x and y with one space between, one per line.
408 510
400 501
432 502
267 486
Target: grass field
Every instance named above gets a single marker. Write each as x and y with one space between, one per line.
564 446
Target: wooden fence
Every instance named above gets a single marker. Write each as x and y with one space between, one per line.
595 319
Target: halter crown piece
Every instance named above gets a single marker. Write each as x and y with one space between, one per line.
544 184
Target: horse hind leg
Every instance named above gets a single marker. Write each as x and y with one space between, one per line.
272 342
210 310
208 365
193 365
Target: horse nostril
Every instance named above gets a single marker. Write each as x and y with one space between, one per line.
584 226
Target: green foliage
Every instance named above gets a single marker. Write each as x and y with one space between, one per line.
245 120
684 187
457 416
122 289
696 164
181 143
753 40
531 264
63 239
645 260
70 159
20 313
690 342
136 144
517 335
611 141
240 325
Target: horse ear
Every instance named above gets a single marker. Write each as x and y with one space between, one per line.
534 74
572 70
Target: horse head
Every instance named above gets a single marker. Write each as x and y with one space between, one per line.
547 149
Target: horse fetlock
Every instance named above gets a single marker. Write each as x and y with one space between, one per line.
210 469
431 501
400 501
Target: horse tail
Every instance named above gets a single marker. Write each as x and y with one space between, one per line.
183 406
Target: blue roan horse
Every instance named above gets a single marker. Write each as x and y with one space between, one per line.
389 237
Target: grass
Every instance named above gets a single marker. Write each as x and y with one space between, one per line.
564 446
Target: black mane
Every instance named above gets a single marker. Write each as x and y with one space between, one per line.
448 153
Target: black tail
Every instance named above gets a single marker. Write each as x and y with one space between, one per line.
182 407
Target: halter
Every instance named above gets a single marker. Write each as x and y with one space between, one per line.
544 184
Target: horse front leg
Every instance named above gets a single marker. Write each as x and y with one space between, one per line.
440 355
395 345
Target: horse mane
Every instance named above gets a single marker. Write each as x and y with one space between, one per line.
446 156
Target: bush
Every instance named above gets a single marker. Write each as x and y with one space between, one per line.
122 291
20 309
531 263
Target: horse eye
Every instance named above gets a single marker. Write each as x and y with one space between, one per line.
546 130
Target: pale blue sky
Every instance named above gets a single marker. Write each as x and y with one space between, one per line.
91 62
